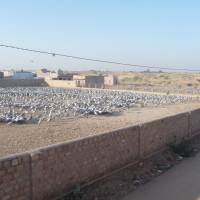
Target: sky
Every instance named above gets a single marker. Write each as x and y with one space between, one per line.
145 32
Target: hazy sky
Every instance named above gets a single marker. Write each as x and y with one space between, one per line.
152 32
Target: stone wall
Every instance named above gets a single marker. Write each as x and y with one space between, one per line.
51 171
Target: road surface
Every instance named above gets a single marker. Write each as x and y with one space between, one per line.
182 182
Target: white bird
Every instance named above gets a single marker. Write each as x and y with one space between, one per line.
16 104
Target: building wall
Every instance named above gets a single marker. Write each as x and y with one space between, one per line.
194 124
80 80
23 75
110 80
156 134
79 77
8 73
59 168
22 83
94 81
68 77
89 81
61 83
65 77
80 83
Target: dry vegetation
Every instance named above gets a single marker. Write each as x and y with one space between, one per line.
161 82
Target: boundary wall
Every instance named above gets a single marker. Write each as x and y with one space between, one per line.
22 83
49 172
61 83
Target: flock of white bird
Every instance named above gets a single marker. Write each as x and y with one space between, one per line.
23 105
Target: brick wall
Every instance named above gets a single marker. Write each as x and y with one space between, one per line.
51 171
156 134
15 177
59 168
195 122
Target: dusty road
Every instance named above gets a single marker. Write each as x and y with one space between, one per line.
182 182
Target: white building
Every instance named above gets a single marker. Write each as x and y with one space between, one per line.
8 73
23 75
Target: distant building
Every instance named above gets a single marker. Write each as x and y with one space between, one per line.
65 79
90 81
111 80
53 75
8 73
68 77
60 75
1 75
80 80
23 75
43 73
94 81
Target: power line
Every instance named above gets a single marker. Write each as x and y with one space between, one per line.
97 60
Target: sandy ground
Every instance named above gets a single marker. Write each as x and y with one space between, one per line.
20 138
180 182
155 81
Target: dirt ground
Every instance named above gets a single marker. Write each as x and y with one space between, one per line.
180 182
20 138
182 83
180 80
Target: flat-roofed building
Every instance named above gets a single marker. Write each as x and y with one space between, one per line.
61 76
90 81
111 80
23 75
94 81
8 73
